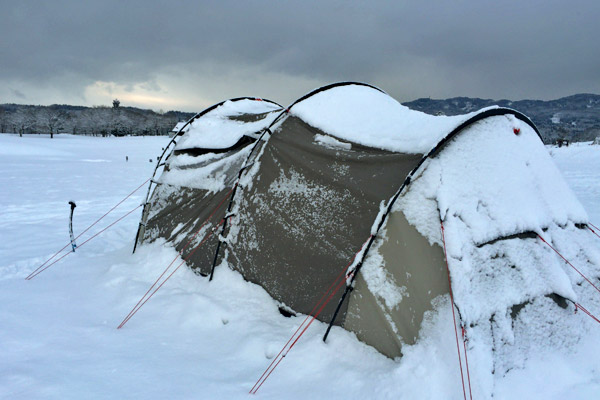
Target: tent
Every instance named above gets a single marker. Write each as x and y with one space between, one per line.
347 180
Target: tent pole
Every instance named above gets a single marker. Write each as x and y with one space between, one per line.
244 166
337 310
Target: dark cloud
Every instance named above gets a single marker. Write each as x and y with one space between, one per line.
509 49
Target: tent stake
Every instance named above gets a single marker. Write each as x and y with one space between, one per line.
73 244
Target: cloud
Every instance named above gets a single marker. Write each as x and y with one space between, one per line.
17 94
190 54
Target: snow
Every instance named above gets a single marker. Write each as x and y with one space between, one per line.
178 127
331 142
202 132
184 170
495 192
363 115
196 339
583 162
217 129
496 182
380 281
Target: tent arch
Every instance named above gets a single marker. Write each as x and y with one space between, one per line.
171 149
386 340
181 131
332 86
282 116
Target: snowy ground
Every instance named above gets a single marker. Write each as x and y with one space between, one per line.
58 336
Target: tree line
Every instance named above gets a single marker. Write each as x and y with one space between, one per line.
80 120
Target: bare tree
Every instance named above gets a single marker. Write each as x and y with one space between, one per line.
52 120
3 122
25 121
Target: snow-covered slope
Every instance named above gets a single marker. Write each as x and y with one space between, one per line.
201 340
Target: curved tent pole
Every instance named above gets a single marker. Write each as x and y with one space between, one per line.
436 149
173 142
235 186
331 86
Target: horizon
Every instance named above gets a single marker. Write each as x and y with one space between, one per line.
161 111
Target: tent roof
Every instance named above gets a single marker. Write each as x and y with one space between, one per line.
366 115
230 120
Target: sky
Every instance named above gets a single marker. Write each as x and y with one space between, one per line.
188 55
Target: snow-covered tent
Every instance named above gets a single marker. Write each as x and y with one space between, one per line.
347 179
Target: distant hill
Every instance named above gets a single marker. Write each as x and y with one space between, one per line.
79 120
575 118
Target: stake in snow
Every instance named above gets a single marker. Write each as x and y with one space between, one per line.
334 206
73 244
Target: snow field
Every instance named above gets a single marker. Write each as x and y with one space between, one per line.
195 339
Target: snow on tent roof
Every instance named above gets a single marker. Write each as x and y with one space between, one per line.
494 189
178 126
220 129
368 116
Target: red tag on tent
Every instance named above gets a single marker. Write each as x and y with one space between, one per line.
516 131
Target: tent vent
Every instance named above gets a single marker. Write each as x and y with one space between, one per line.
197 151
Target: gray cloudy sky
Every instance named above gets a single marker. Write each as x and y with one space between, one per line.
188 55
